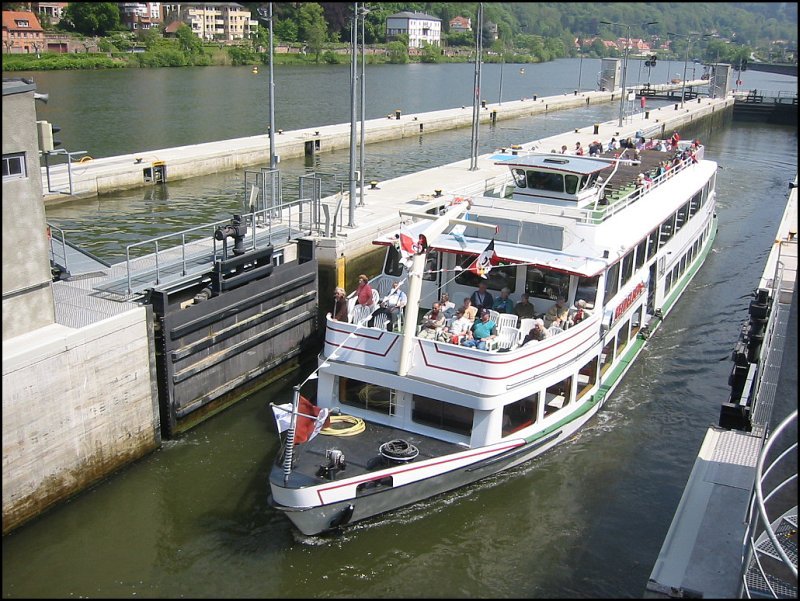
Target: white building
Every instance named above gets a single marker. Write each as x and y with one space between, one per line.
210 21
418 26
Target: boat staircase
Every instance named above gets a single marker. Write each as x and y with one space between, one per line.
771 543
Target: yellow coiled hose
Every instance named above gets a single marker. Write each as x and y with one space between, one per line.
357 426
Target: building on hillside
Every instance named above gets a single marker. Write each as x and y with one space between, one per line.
212 21
49 11
140 16
22 33
493 30
419 27
460 25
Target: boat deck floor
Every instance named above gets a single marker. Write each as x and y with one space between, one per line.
361 451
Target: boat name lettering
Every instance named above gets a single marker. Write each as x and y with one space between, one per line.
626 304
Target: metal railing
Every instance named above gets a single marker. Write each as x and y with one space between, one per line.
56 237
760 520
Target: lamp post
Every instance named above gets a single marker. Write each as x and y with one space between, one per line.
266 14
686 59
353 71
625 62
361 158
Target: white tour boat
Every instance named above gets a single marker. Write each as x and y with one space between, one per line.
425 416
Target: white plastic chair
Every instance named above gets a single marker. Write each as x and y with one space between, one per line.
361 314
553 331
383 286
376 299
381 321
494 315
525 326
506 320
508 337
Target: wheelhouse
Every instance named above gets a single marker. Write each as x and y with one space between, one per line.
556 179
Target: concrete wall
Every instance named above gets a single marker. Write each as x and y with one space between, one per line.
27 295
77 405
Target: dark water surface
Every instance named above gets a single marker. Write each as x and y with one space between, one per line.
585 520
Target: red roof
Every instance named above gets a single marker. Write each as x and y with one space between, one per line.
10 18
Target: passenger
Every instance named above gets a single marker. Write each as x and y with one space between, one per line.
578 149
340 305
470 310
503 304
595 148
537 332
432 322
460 326
364 292
564 149
581 312
613 145
448 306
524 308
392 305
674 140
482 298
483 330
557 313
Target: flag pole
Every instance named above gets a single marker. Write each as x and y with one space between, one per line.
289 452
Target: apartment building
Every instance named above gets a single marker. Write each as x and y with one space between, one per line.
419 27
212 21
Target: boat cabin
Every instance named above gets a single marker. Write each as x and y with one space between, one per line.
557 179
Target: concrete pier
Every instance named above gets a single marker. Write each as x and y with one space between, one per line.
89 177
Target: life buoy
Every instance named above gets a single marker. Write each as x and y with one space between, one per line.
86 159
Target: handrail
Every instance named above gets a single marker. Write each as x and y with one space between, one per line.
63 240
758 513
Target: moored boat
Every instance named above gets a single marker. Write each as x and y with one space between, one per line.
616 236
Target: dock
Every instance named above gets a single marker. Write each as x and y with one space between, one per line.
82 176
719 544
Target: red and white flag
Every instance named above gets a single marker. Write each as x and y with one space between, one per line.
484 261
310 419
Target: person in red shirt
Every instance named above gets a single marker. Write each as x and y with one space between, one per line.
364 291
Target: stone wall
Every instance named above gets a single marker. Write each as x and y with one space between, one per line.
77 405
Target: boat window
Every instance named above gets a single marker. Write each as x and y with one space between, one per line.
694 204
571 184
520 414
627 267
641 249
668 282
431 266
519 177
682 215
622 336
541 282
392 266
607 356
499 277
543 180
652 243
590 181
558 396
612 281
667 229
587 376
587 290
445 416
367 396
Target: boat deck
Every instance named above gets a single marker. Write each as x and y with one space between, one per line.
361 451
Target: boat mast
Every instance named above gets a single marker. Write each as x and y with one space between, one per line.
441 222
473 166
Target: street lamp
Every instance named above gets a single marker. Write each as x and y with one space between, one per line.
686 59
625 62
266 15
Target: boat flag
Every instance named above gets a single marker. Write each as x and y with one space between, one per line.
406 248
283 416
310 419
483 263
307 428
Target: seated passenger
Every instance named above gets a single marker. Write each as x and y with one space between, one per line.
470 310
482 298
395 301
432 322
460 326
557 312
524 308
537 332
483 330
581 313
448 306
503 304
340 305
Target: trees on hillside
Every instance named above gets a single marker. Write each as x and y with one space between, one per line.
92 18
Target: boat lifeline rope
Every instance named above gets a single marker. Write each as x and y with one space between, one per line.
357 426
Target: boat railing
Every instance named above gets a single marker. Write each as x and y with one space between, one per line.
770 568
58 246
594 215
179 253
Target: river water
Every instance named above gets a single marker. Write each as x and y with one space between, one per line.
585 520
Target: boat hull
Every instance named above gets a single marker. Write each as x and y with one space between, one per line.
317 519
